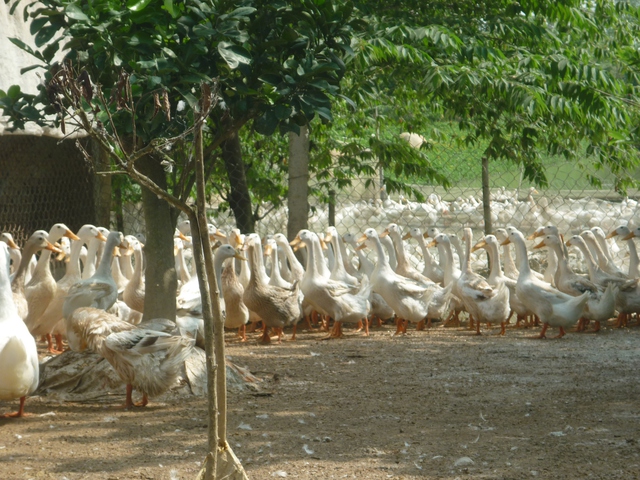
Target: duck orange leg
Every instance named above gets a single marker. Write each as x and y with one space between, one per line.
366 327
561 334
142 403
543 332
242 333
399 323
50 347
265 339
503 327
336 331
59 344
420 325
295 329
128 401
359 326
477 325
596 326
19 414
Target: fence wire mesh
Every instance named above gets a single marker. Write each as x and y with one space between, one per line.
570 202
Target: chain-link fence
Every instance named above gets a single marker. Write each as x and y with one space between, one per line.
570 202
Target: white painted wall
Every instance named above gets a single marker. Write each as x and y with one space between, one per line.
13 59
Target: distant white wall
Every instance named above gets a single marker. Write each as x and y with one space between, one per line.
13 59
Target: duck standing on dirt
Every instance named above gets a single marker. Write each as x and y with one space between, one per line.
19 369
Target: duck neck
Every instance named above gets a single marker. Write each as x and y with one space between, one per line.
275 266
602 243
509 264
294 264
391 250
73 267
252 257
399 248
448 263
104 267
383 262
18 279
633 258
90 266
319 258
428 259
601 259
346 259
137 270
218 261
588 258
522 257
6 295
495 270
466 264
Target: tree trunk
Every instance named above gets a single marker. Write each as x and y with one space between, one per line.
161 280
239 198
298 197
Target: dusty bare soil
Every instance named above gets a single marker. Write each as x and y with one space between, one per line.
441 404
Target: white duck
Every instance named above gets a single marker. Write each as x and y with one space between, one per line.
450 275
331 296
37 241
53 313
338 272
271 251
490 243
365 266
412 301
42 287
145 357
19 369
403 267
133 294
634 262
236 313
484 302
100 290
277 307
431 268
549 304
14 250
601 305
600 256
552 261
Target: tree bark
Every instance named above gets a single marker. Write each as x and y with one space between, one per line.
298 197
239 197
161 281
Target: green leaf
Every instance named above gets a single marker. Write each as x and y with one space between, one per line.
283 112
234 55
266 124
168 5
14 92
242 12
23 46
74 12
29 68
45 35
137 5
37 24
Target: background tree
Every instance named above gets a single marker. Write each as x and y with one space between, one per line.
276 64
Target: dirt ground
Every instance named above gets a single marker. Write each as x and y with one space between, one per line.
437 404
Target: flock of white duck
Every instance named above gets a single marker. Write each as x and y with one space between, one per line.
99 302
